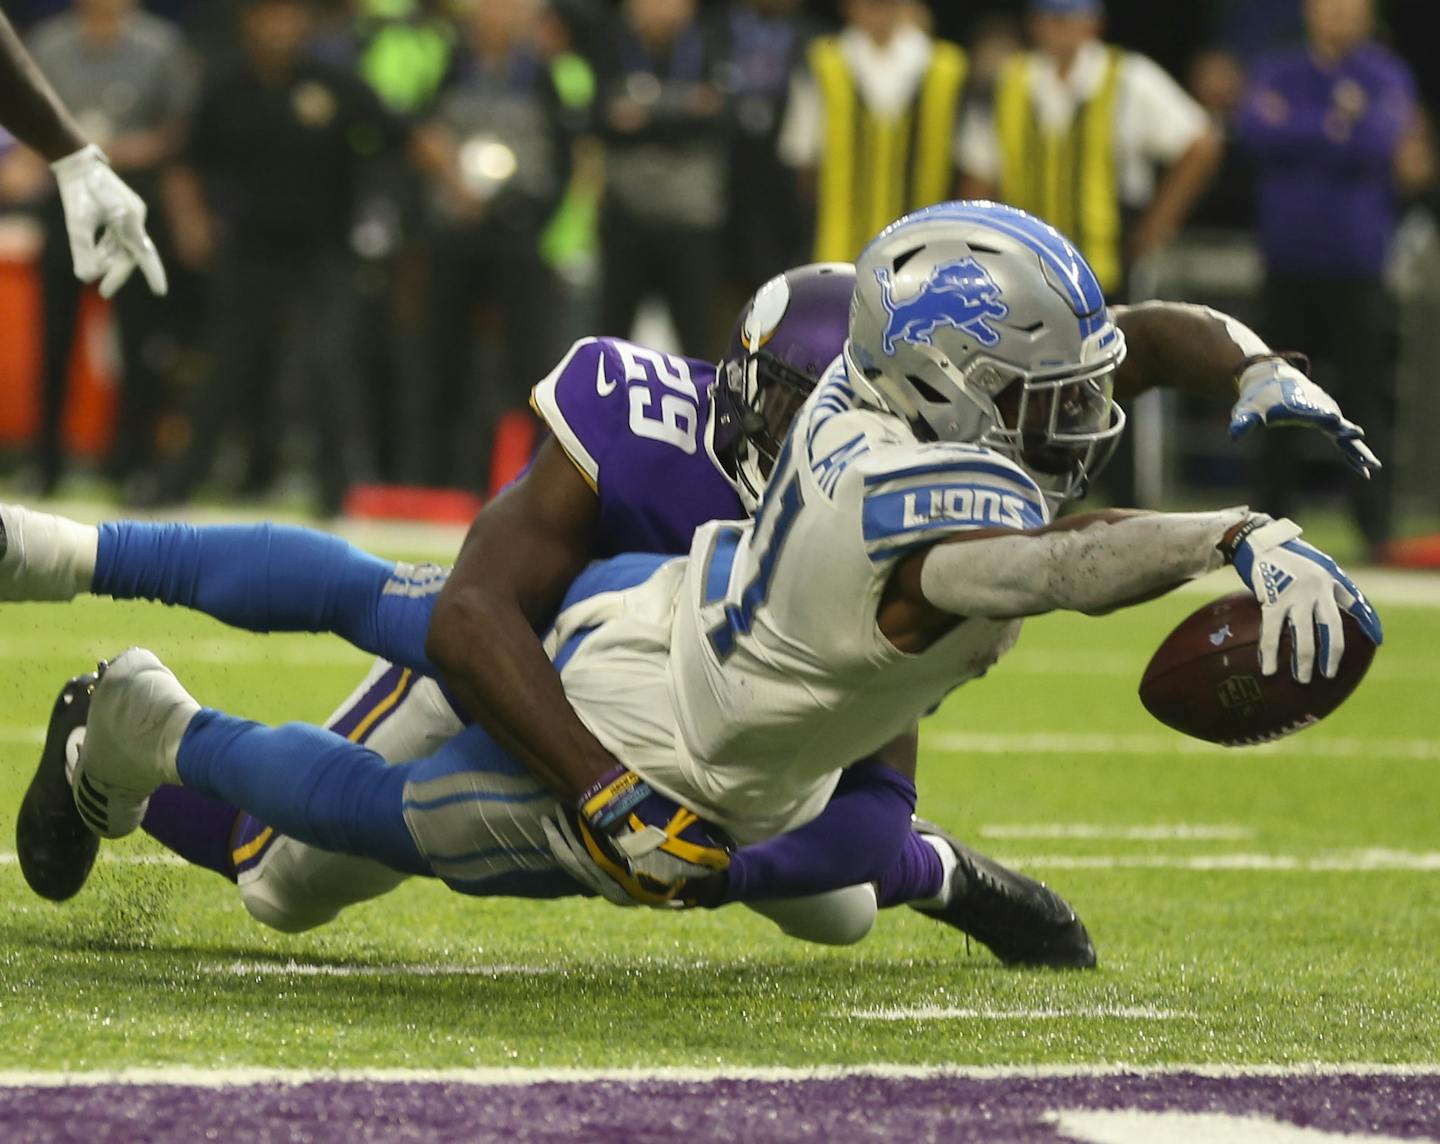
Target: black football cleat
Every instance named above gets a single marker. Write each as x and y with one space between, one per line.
1021 921
55 848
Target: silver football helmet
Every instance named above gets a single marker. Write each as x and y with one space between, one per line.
977 322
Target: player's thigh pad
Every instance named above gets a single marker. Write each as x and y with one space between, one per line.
477 816
397 714
841 917
291 886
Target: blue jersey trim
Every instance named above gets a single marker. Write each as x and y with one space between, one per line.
720 564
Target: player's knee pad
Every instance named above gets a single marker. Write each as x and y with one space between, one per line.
841 917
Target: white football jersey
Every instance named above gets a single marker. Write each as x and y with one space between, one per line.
742 679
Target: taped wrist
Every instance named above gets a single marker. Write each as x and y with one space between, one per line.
1244 378
1091 569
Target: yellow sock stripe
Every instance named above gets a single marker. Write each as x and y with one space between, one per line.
361 728
253 847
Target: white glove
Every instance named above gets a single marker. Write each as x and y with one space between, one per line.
95 198
1297 584
1274 392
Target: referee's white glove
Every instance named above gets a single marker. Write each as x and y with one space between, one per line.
96 199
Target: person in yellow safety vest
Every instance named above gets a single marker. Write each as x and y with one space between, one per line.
1075 134
871 123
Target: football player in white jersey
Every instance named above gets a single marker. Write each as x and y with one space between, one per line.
881 571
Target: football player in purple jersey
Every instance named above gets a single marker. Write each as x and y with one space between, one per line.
522 541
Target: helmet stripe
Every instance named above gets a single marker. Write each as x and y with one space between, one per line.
1087 299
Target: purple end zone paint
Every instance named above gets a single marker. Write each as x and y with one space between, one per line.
743 1111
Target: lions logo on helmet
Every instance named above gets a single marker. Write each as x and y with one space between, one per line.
977 322
960 294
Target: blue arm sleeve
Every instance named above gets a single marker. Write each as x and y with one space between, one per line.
856 839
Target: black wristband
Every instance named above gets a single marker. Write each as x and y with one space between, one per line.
1292 357
1232 541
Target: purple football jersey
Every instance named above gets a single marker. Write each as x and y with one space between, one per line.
636 423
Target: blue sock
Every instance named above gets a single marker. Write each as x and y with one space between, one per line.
305 782
917 874
268 577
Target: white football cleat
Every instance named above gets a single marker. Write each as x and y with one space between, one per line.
138 715
44 556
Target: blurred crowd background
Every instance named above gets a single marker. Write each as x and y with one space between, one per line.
386 219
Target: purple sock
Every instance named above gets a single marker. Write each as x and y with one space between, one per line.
194 826
917 873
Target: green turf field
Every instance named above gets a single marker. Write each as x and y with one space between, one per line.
1275 905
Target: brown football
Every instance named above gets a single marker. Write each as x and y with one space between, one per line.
1204 680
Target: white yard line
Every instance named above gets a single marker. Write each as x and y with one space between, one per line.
942 1013
222 1078
7 858
1343 861
243 648
1170 743
1348 861
419 969
1169 832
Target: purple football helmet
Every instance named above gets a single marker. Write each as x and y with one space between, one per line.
790 330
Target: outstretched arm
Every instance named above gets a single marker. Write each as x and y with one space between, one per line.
29 107
1195 349
1098 562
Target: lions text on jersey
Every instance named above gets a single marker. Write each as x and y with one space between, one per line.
742 680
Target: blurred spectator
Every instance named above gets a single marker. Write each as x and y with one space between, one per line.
661 115
503 130
126 77
996 37
1078 130
767 43
1217 81
1327 125
405 50
872 123
266 198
